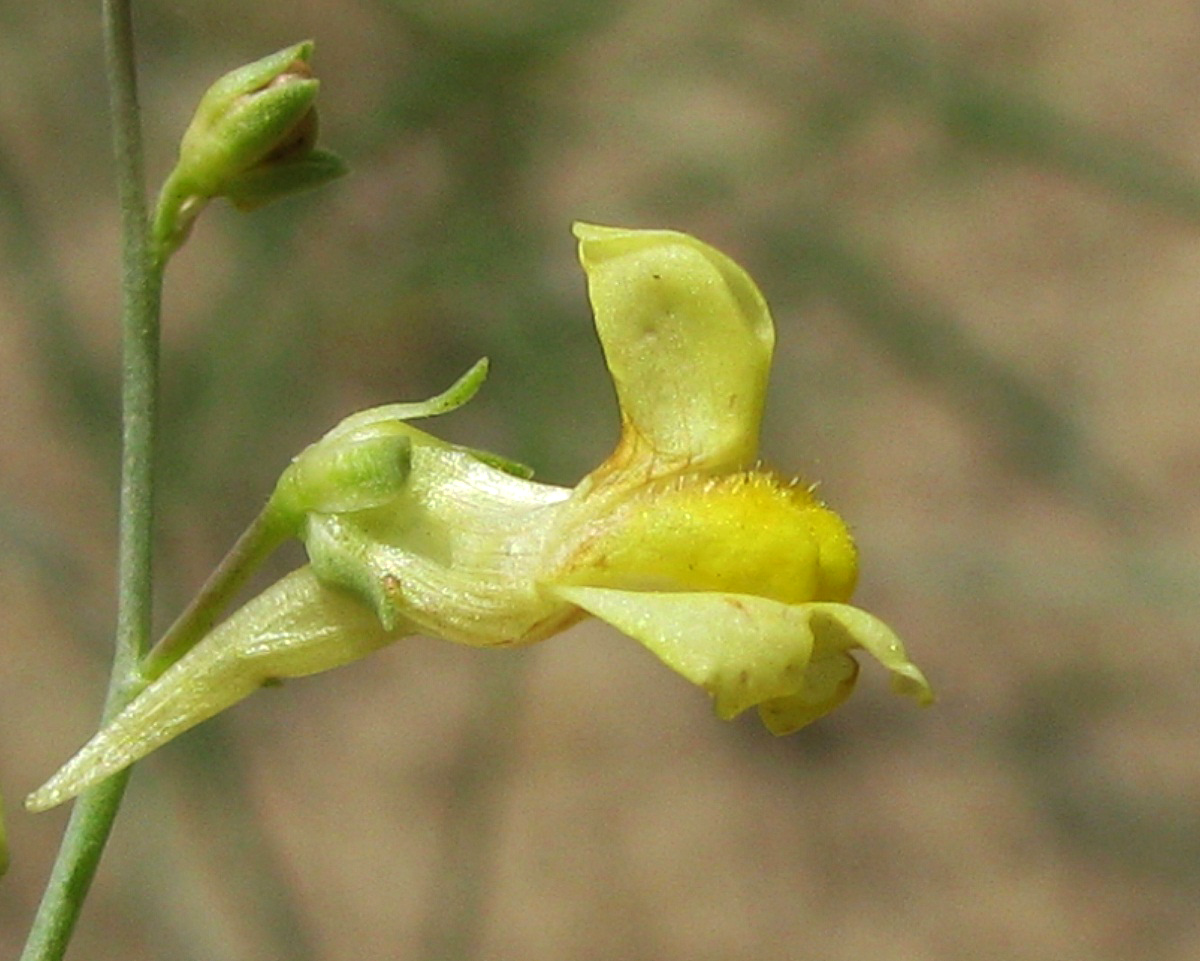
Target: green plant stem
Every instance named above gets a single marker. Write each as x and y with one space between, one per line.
141 283
264 534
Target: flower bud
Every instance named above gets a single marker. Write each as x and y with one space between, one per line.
248 115
252 139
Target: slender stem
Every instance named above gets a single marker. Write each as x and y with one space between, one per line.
264 534
142 273
3 841
142 276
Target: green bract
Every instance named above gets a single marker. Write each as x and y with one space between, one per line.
731 575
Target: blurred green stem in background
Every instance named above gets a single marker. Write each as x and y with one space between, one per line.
3 841
141 283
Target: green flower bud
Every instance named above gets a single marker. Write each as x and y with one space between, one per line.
252 139
260 110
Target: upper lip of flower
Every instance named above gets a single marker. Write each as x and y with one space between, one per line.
688 339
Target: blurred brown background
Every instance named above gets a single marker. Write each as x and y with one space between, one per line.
978 225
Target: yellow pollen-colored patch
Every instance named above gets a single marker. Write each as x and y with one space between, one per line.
744 533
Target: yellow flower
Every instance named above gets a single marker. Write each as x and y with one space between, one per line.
731 575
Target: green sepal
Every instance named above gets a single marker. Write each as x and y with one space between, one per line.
351 473
364 461
249 78
452 398
341 555
261 185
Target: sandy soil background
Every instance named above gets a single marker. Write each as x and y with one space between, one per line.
978 225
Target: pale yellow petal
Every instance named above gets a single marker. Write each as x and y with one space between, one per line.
741 649
838 628
688 339
827 683
844 627
790 659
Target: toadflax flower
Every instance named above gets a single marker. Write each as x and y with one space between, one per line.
733 576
